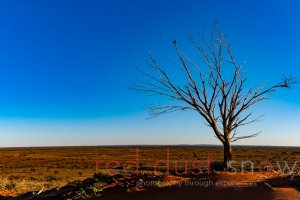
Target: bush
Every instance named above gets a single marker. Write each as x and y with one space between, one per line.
217 166
102 176
11 186
119 175
74 183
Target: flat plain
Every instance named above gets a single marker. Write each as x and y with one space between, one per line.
42 168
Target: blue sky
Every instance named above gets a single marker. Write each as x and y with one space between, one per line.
64 67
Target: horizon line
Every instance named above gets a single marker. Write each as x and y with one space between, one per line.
146 145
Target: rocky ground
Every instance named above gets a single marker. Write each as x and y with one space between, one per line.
219 185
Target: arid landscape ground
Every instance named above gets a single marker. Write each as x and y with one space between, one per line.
38 170
109 100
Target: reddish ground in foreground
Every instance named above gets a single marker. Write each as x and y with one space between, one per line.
260 190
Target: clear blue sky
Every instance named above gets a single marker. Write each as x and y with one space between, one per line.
64 66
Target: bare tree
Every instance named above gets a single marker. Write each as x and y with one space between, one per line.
216 89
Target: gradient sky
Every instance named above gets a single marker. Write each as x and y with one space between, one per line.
64 66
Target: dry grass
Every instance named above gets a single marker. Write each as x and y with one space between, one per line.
34 169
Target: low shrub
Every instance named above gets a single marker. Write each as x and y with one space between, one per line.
217 166
11 186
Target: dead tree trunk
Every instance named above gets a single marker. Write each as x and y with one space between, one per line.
227 154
